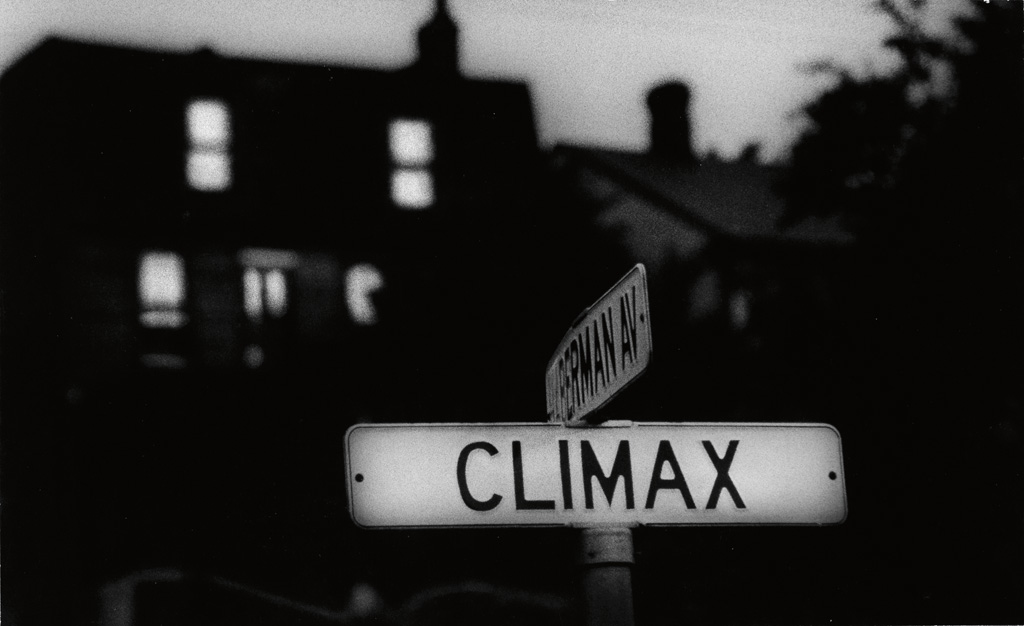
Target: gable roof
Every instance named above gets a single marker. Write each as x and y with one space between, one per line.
731 199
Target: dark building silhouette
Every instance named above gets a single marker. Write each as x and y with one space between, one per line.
746 312
669 104
211 267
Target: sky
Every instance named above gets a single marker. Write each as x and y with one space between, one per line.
589 62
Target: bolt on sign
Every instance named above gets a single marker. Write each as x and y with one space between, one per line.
607 347
623 473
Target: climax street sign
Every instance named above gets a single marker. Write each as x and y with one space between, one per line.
607 347
622 473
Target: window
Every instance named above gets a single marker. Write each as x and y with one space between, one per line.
208 160
265 283
361 281
412 154
265 292
162 290
161 287
266 299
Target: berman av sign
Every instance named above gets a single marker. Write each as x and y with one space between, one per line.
605 349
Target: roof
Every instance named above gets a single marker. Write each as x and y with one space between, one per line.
75 64
734 199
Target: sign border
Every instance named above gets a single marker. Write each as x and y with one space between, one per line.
607 425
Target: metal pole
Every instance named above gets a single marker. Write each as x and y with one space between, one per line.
606 557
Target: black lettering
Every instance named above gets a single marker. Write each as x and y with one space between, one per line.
608 331
722 481
522 504
574 355
567 384
599 371
563 461
561 387
471 502
665 455
621 467
586 365
627 321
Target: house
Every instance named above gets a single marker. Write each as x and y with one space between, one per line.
218 213
211 267
741 307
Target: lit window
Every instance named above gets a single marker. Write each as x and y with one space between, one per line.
265 293
162 290
266 298
412 189
264 282
361 281
252 292
209 123
412 153
411 143
208 162
277 293
209 171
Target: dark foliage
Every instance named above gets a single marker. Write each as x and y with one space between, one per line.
925 165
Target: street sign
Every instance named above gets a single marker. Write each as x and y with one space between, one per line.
621 473
607 347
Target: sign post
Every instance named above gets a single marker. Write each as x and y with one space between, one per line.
606 556
590 367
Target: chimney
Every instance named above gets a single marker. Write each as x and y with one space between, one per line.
669 105
439 44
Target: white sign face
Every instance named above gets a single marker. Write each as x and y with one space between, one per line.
422 475
608 346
